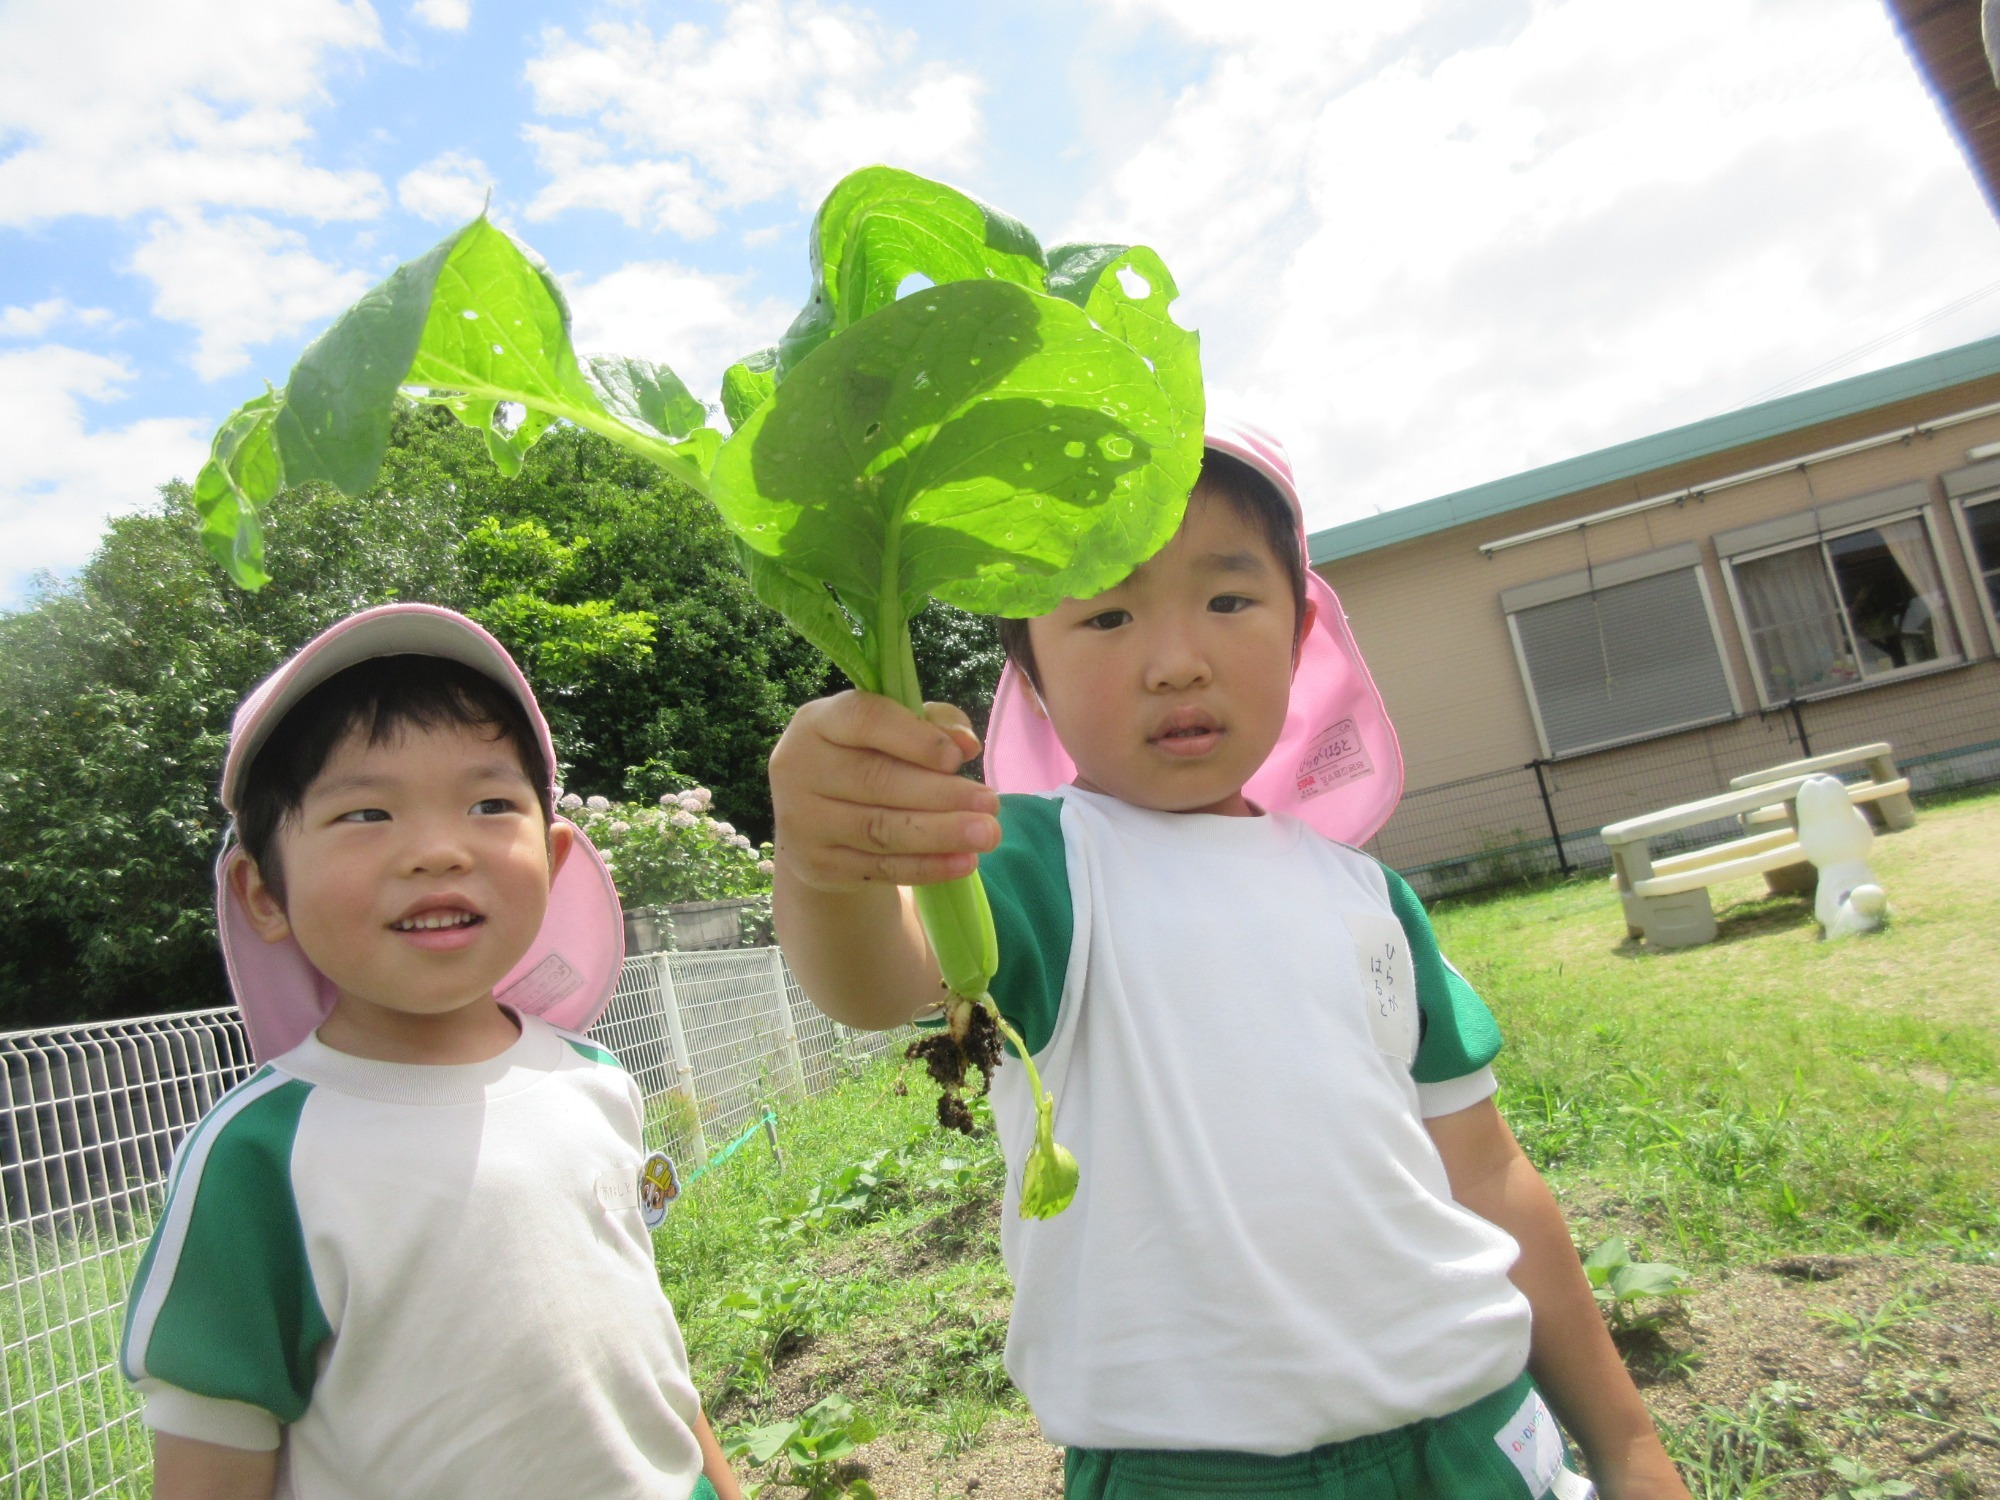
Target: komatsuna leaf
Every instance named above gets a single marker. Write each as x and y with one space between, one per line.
334 421
475 325
498 329
239 479
978 442
878 227
1128 291
642 394
812 612
747 385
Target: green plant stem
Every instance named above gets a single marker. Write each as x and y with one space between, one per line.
1020 1047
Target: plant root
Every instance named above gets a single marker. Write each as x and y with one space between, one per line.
971 1040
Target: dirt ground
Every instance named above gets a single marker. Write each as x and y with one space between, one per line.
1914 1395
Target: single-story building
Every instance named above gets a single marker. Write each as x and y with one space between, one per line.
1608 635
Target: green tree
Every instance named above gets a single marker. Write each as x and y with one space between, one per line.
114 711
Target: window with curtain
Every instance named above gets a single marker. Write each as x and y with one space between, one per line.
1622 662
1982 526
1844 609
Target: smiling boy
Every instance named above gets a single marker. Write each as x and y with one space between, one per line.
1306 1256
406 1256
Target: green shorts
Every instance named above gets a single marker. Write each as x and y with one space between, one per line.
1495 1449
703 1490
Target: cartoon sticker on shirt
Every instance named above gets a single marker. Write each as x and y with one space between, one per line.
1388 982
659 1185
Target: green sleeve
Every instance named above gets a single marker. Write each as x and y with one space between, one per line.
224 1304
1027 882
1459 1034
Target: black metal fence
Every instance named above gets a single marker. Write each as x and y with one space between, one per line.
1543 818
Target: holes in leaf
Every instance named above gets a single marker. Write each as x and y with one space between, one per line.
498 350
470 315
508 416
1137 287
916 281
871 432
1115 446
1072 449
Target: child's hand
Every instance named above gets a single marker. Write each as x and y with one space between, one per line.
864 791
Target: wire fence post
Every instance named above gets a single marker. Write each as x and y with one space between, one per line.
791 1022
1549 811
683 1059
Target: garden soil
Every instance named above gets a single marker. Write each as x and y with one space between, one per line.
1890 1361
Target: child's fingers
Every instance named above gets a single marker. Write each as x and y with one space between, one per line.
875 830
850 844
952 720
871 779
868 721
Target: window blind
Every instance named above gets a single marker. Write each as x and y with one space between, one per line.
1630 660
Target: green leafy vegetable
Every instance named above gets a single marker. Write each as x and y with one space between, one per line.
952 415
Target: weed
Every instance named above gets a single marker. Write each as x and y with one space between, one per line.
1870 1331
1620 1284
1732 1455
1859 1482
775 1311
808 1451
959 1423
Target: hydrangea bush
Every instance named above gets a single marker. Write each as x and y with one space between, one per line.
676 851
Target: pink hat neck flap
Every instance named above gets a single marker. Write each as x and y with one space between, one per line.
1336 765
568 973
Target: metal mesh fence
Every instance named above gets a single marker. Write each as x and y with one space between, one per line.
1544 818
90 1117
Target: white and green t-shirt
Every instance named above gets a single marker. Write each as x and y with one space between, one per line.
420 1281
1244 1026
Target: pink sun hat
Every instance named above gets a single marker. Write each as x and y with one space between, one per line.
1336 765
566 976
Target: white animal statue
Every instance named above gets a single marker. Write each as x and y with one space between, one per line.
1835 837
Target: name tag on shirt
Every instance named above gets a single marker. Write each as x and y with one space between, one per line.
1388 982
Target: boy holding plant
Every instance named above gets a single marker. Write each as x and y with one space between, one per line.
1306 1256
407 1255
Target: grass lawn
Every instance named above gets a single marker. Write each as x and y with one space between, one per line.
1811 1130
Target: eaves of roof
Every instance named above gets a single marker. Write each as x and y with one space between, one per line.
1736 429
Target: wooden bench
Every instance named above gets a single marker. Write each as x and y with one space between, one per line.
1666 900
1883 793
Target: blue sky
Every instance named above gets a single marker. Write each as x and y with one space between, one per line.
1429 242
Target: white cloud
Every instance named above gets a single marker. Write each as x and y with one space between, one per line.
33 322
450 188
239 282
122 107
445 15
61 479
780 99
1430 259
691 321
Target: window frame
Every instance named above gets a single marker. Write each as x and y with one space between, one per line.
1818 542
1622 578
1960 504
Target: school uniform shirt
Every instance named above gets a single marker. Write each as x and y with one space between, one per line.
420 1281
1244 1026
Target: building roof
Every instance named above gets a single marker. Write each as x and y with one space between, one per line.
1736 429
1944 40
